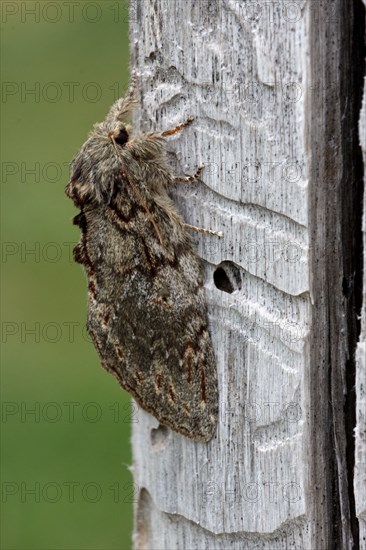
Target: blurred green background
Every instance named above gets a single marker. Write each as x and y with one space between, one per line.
65 466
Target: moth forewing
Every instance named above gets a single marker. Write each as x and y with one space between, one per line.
147 313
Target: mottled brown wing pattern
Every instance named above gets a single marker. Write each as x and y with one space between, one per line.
147 312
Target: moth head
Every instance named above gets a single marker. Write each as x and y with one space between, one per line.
97 162
120 134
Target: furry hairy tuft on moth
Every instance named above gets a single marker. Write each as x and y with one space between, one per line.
147 314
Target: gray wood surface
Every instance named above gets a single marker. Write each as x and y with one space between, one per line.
261 80
360 432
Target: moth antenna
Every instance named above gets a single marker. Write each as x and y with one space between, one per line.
136 191
123 107
133 85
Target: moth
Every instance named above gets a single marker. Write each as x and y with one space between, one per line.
147 314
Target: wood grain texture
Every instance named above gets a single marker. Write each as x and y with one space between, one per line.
360 431
253 76
334 220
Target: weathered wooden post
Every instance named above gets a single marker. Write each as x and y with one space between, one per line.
276 97
360 432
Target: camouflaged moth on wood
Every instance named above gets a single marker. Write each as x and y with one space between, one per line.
147 313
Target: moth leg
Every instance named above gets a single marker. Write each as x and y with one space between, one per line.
190 179
178 128
202 230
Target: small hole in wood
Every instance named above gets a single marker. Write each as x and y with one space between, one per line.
227 277
222 281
